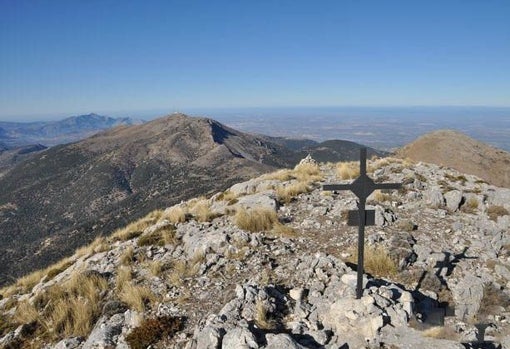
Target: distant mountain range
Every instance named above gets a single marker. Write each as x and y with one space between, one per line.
65 196
49 133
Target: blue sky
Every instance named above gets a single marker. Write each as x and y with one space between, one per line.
71 57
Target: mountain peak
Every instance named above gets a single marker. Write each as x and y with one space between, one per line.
455 149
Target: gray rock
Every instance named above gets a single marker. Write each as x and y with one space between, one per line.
105 333
502 271
258 201
505 342
239 338
453 199
69 343
409 338
467 293
281 341
434 198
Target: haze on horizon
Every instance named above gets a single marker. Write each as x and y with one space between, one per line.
64 58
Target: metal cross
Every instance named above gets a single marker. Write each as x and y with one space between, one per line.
362 187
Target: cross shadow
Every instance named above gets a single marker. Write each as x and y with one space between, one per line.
450 263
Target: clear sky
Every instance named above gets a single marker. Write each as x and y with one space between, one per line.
74 56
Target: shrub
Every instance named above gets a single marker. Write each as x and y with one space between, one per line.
256 220
151 331
497 211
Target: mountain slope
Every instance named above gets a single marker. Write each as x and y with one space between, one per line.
51 133
456 150
69 194
280 273
10 157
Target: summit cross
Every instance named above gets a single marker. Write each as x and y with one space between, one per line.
362 187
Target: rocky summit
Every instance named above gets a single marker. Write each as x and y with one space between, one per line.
270 263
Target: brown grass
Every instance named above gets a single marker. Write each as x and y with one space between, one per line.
136 228
470 206
347 170
380 196
308 173
175 214
137 297
65 310
159 237
262 317
496 211
286 193
280 229
58 268
124 277
255 220
201 211
151 331
280 175
440 332
127 256
377 261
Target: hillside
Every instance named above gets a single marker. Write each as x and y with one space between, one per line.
67 195
269 263
456 150
50 133
9 157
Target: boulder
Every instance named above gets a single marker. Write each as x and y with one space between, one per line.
453 200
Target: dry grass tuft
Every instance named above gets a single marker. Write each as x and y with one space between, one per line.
286 193
175 214
440 332
201 210
137 297
128 256
70 309
155 267
380 196
262 317
58 268
470 206
347 170
280 175
227 196
135 229
159 237
280 229
308 173
124 277
497 211
256 220
377 261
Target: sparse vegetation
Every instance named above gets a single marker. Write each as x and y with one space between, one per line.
492 299
280 175
308 173
135 229
380 196
151 331
440 332
255 220
406 225
159 237
496 211
280 229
